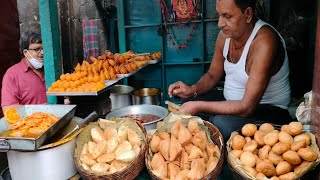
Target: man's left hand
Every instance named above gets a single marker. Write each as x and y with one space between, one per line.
190 107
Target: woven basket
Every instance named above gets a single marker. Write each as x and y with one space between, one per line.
239 174
216 137
130 172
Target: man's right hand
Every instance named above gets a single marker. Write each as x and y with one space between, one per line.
180 89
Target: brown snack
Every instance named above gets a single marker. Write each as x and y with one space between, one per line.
247 139
236 153
175 128
211 164
264 151
274 158
154 143
159 166
288 176
280 148
283 168
175 148
271 138
250 146
248 159
184 135
285 137
258 160
295 128
285 128
260 176
251 171
195 153
274 178
297 169
173 170
304 136
164 135
266 168
249 129
198 168
292 157
164 148
298 145
258 136
200 140
238 142
193 127
307 154
266 127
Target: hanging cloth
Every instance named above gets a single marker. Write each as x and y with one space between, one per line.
90 39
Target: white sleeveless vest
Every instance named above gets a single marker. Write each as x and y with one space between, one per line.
277 92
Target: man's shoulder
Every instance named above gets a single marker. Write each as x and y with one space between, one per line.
16 69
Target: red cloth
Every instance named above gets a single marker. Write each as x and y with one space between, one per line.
21 85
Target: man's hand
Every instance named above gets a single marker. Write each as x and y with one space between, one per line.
180 89
190 107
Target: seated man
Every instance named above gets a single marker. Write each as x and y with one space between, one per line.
24 82
253 56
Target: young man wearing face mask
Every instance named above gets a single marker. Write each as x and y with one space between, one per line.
24 82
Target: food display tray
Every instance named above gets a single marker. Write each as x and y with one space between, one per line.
64 112
133 72
155 61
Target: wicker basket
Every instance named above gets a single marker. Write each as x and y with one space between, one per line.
237 173
216 137
130 172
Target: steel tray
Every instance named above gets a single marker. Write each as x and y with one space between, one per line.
64 112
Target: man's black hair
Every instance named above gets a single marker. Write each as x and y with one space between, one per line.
244 4
28 38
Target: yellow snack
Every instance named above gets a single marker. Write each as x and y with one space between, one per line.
11 115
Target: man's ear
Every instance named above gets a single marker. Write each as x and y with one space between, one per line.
249 14
25 53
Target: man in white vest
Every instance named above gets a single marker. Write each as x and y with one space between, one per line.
253 56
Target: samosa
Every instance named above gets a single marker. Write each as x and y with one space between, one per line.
154 144
184 135
164 148
195 153
197 170
159 166
173 170
193 127
175 148
211 164
175 128
200 140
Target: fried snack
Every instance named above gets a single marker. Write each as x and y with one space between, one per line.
275 158
175 148
248 159
198 168
258 136
297 169
271 138
249 129
184 135
110 132
211 164
251 171
285 137
298 145
164 148
304 136
285 128
266 168
193 127
106 158
250 146
260 176
295 128
258 160
125 156
200 140
122 133
236 153
238 142
175 128
11 115
184 162
307 154
290 175
124 146
274 178
280 148
247 139
100 168
292 157
87 159
195 152
91 147
136 149
100 149
264 151
182 175
154 144
112 144
283 168
84 149
266 127
133 138
159 166
97 134
173 170
85 167
164 135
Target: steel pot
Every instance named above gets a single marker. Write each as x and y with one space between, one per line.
120 96
146 96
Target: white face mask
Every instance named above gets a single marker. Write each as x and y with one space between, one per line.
34 62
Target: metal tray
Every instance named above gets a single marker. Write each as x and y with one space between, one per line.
65 112
155 61
133 72
112 82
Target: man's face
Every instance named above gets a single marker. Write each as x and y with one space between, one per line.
35 50
231 18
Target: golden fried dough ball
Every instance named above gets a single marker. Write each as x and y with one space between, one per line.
257 159
304 136
249 129
251 171
297 169
236 153
238 142
266 127
298 145
280 148
274 178
295 128
271 138
283 168
266 168
290 175
264 151
260 176
250 146
285 128
292 157
258 136
285 137
248 159
275 158
307 154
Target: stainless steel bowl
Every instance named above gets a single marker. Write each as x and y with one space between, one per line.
159 111
146 96
120 96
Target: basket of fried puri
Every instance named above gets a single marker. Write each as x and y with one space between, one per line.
268 151
111 149
185 147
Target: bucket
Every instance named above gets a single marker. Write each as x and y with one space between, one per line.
120 96
146 96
